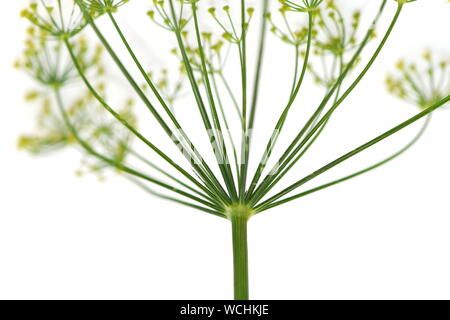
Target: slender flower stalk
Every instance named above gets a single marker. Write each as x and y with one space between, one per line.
226 180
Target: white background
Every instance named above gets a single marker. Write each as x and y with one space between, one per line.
381 236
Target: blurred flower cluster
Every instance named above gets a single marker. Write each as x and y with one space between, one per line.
421 83
45 60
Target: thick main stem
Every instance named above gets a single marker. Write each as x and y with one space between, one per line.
240 257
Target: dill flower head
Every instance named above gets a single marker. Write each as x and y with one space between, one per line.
91 121
336 33
212 47
169 90
56 17
221 182
97 128
333 31
179 15
336 39
421 83
99 7
301 6
335 36
286 31
46 60
50 134
161 14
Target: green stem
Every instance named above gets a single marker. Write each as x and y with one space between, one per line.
240 257
244 138
259 65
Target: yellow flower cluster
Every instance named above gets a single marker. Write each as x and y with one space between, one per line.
47 61
55 18
223 18
423 83
336 38
288 34
301 6
91 122
99 7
